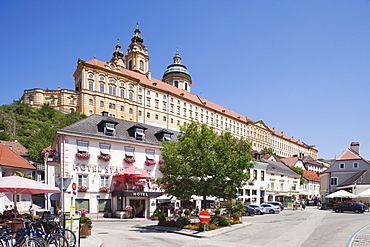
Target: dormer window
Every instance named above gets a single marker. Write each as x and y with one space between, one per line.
139 134
109 129
167 137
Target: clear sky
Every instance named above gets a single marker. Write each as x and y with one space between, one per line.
302 67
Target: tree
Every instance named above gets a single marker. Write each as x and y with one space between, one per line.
205 164
300 171
267 151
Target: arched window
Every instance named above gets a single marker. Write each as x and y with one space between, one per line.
141 65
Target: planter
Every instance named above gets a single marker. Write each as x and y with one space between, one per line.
89 230
84 230
104 157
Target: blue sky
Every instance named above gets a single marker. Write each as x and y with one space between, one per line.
302 67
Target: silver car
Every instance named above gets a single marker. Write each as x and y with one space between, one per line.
258 209
269 208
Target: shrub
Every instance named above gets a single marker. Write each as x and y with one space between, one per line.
217 211
182 221
187 212
220 221
236 216
161 218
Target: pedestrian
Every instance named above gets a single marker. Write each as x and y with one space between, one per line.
6 208
196 211
32 211
307 202
302 205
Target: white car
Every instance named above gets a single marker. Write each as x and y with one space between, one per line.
270 209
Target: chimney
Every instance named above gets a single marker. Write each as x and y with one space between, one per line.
355 146
104 113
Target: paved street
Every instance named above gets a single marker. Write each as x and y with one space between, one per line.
307 228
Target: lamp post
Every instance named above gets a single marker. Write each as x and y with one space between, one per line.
46 156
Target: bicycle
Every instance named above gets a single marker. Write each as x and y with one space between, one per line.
18 238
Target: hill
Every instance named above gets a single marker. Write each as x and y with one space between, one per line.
33 127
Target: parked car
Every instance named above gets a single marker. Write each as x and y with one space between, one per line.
277 204
269 208
249 211
355 207
259 210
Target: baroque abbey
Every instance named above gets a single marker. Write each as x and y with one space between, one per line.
124 88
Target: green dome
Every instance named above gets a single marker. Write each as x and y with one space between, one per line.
176 69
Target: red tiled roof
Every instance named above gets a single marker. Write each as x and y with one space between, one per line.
311 176
9 157
289 161
349 154
17 147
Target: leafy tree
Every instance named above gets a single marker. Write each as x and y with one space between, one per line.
267 151
203 163
300 171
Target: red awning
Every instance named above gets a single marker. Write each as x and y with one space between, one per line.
133 172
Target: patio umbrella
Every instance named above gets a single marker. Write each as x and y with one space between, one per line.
341 194
365 193
133 172
19 185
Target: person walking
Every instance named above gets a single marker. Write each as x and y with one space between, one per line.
303 206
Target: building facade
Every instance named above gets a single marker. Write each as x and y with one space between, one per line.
113 160
124 88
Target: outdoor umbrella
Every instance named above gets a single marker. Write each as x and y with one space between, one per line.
365 193
341 194
19 185
133 172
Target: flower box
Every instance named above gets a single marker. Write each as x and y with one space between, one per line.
129 160
83 156
116 183
104 190
161 161
82 188
104 157
51 153
150 162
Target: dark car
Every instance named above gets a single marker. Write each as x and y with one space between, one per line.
277 204
355 207
249 211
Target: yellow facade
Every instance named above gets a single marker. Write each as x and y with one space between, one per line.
133 95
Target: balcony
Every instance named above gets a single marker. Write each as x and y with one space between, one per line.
54 159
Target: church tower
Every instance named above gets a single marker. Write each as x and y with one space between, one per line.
118 58
137 57
177 74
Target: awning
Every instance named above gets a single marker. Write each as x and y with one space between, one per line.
133 172
55 197
105 151
82 149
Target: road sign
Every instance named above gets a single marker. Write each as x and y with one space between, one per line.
204 216
74 188
98 197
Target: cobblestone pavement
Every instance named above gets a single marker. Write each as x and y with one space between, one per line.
360 238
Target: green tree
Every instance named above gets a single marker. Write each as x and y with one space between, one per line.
204 163
267 151
300 171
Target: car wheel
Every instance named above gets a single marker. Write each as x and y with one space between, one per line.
248 214
342 211
272 211
336 210
356 211
259 212
362 211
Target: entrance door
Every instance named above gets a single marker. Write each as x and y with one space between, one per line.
138 208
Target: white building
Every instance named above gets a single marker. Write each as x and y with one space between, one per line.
114 159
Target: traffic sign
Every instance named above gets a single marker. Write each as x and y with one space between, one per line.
98 197
204 216
74 188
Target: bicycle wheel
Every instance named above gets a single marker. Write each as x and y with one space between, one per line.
31 242
57 240
70 236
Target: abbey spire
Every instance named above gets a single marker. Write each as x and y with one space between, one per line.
118 55
137 57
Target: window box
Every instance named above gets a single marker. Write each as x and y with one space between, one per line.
129 160
116 183
82 188
150 162
161 161
83 156
104 157
104 190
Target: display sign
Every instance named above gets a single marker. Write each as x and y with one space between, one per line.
72 211
98 197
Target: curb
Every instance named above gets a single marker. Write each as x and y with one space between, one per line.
197 234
